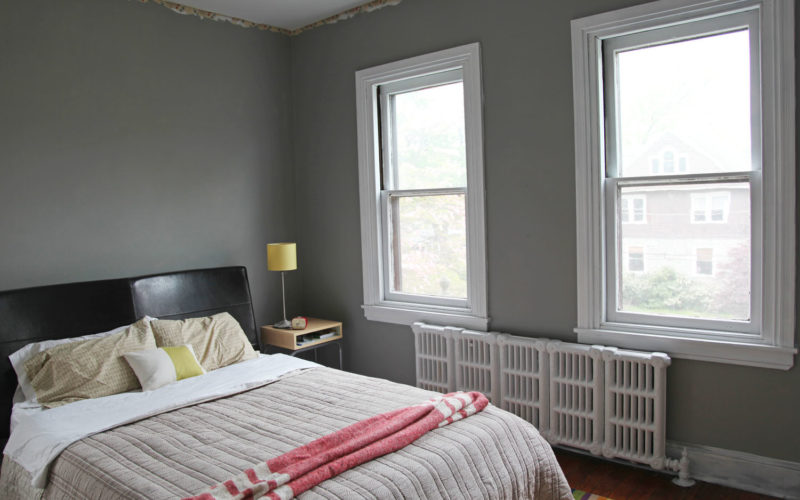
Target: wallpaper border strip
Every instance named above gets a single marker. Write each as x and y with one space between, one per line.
205 14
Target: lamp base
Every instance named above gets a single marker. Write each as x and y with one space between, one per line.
284 323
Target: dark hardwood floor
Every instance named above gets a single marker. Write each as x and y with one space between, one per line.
621 482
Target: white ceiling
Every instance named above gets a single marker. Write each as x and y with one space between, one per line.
287 14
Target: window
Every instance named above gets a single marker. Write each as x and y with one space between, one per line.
421 189
635 259
705 261
632 209
669 162
710 207
655 165
719 283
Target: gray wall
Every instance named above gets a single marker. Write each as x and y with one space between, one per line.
135 140
530 183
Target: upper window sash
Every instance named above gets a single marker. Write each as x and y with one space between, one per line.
387 93
721 23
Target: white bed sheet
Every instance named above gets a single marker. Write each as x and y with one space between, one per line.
39 436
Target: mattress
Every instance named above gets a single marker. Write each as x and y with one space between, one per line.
492 454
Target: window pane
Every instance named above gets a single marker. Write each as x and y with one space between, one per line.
429 245
698 270
430 147
691 98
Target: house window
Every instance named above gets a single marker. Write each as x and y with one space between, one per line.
635 259
655 165
421 189
729 105
669 162
705 261
710 207
632 209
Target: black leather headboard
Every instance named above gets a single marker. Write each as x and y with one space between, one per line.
74 309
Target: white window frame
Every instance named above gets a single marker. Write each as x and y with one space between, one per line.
770 341
380 303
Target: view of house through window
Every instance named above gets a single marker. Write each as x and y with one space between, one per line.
425 179
672 135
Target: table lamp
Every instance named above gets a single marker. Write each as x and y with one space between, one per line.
282 257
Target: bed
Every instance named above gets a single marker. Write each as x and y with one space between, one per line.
179 449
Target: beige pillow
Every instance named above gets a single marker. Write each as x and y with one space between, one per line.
88 369
217 340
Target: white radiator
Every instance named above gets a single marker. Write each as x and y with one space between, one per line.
434 352
524 372
576 396
476 362
635 410
605 400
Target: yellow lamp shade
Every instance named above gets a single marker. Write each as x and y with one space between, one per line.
282 256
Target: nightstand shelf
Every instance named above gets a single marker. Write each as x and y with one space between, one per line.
286 340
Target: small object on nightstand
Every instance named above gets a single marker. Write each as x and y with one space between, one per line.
318 333
299 323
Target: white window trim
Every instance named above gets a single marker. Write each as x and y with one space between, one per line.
774 347
377 306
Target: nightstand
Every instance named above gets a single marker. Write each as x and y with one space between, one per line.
293 342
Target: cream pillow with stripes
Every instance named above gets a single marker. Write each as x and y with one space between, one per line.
158 367
217 340
88 369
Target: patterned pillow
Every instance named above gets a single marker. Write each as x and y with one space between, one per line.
217 340
88 369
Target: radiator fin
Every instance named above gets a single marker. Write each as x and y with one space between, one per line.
523 378
635 412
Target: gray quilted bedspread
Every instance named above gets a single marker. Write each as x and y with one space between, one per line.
490 455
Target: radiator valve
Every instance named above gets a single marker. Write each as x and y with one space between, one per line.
681 466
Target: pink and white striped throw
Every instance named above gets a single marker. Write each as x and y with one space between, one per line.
292 473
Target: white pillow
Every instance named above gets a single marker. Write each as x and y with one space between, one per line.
19 357
158 367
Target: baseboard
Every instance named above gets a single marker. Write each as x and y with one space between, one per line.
740 470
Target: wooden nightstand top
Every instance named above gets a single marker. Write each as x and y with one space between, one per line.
287 338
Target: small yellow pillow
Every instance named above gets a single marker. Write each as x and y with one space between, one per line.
158 367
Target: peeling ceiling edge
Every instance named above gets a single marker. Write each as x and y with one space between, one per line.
205 14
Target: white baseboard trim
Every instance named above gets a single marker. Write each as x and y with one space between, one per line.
737 469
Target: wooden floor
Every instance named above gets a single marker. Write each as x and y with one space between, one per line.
621 482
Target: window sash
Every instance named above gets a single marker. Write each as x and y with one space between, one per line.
388 261
710 328
388 119
724 23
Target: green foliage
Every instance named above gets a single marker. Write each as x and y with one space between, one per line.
664 289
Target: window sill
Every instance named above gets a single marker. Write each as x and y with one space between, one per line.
717 351
406 314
